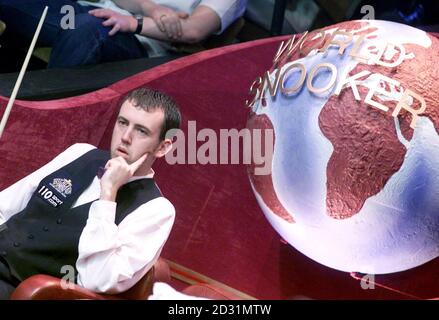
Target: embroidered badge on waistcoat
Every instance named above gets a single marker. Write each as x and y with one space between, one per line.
63 186
54 192
49 196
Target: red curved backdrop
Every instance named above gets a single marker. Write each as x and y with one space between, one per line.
220 230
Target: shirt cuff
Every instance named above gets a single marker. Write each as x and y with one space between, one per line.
103 210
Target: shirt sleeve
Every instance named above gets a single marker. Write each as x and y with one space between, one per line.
227 10
15 198
112 258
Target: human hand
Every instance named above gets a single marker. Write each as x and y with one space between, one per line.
117 173
168 21
117 21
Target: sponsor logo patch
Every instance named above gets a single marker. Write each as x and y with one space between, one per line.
57 190
63 186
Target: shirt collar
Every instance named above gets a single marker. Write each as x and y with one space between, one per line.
150 175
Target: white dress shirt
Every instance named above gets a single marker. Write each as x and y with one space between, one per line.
112 258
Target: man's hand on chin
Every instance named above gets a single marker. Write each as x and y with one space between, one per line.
117 173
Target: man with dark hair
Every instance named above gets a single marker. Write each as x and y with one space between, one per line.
98 212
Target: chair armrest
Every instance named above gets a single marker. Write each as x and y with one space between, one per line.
44 287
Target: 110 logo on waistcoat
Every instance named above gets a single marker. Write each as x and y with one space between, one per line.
61 186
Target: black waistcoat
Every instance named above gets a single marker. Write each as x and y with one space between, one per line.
44 236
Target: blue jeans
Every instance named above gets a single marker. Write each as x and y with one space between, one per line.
87 43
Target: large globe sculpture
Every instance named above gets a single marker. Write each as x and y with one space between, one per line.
354 181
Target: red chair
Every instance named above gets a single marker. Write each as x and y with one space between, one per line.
44 287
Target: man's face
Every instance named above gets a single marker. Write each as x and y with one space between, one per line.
136 132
